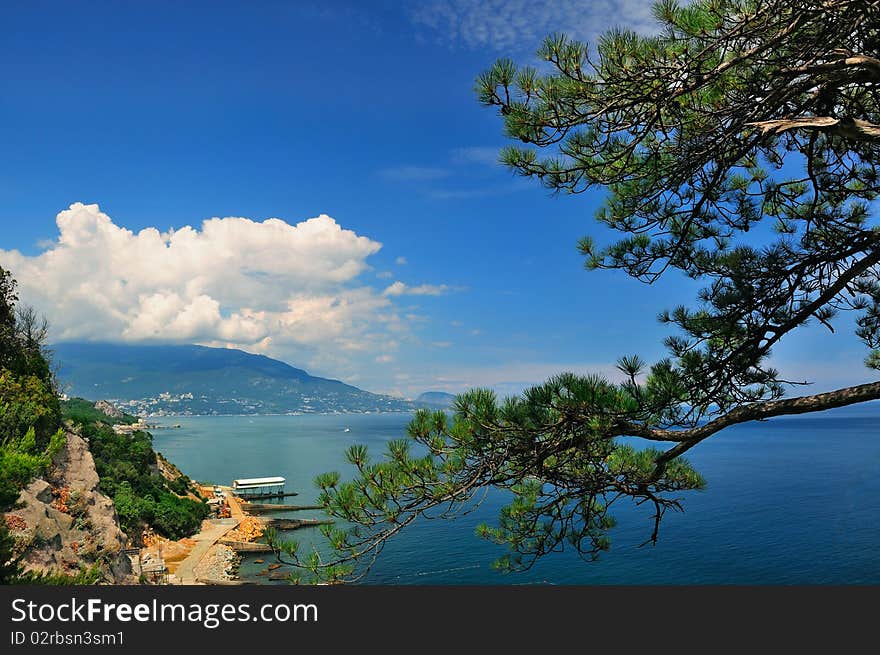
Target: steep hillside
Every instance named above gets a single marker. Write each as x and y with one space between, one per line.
63 523
77 480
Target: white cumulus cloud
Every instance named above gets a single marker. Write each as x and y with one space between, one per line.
291 291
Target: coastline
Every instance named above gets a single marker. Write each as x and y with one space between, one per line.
352 413
208 556
748 487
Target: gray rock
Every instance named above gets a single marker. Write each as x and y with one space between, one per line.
41 490
108 409
78 465
57 541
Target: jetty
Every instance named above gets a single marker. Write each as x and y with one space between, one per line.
246 546
266 496
294 524
261 508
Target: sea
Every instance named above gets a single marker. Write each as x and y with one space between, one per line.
791 500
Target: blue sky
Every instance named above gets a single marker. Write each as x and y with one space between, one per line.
165 116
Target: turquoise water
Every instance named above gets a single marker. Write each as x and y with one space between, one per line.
789 501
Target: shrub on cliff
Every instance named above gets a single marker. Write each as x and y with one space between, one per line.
30 413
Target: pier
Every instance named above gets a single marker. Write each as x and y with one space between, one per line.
294 524
246 546
286 494
260 508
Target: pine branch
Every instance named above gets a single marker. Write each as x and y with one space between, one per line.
760 411
854 129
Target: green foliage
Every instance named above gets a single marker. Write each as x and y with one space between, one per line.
134 510
27 402
30 419
22 337
738 147
170 515
690 133
79 410
180 485
178 517
56 443
554 450
30 414
21 461
9 347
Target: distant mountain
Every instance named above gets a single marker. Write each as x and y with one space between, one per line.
435 400
166 380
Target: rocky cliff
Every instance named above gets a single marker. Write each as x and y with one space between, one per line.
63 522
109 409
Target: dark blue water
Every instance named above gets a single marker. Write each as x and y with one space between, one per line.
789 501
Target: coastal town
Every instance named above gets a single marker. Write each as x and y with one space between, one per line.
188 404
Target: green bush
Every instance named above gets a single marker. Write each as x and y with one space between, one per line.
180 485
134 511
27 403
21 461
178 517
168 514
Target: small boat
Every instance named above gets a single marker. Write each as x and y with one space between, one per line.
347 430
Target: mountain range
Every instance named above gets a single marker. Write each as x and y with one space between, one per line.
156 380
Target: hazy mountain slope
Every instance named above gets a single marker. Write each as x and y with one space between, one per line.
435 400
199 380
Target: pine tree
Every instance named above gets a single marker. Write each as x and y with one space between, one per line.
738 146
